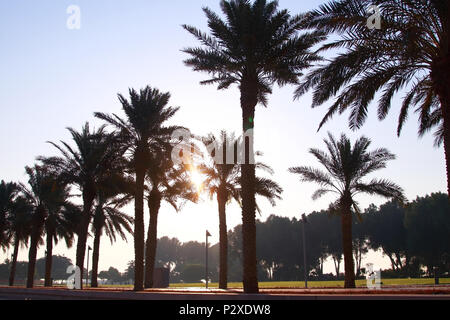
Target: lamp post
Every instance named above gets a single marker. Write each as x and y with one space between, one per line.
87 273
206 264
304 221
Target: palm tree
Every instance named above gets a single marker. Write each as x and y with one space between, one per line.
46 195
109 219
256 47
141 132
165 183
19 221
94 156
346 166
61 223
409 53
223 181
8 192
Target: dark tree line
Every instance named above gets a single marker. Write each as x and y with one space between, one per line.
58 271
415 237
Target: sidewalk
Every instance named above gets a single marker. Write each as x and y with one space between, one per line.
438 292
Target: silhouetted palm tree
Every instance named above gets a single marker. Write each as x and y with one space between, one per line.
256 47
142 131
346 166
61 223
19 222
410 52
115 193
47 195
8 192
168 183
223 181
92 160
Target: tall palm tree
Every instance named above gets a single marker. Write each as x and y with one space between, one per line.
346 167
142 131
166 183
409 53
46 194
255 47
84 167
19 221
8 192
223 181
115 193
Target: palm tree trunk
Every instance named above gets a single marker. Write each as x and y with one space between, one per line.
38 221
95 258
440 76
348 246
223 239
139 232
88 200
154 203
48 260
14 261
446 116
248 104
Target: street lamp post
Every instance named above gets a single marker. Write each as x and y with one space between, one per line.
304 250
206 264
87 273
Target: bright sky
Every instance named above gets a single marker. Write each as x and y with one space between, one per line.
52 78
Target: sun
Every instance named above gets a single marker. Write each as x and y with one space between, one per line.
196 179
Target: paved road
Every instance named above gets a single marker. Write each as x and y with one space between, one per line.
185 295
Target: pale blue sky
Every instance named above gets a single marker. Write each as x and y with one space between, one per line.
52 78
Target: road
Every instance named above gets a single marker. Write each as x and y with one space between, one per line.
425 293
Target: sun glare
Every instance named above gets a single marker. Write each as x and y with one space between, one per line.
197 179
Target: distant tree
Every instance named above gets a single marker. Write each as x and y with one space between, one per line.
360 243
333 240
59 267
192 252
167 253
193 273
129 272
428 225
386 231
276 241
112 275
346 166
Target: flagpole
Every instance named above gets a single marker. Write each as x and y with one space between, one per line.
206 264
206 271
87 276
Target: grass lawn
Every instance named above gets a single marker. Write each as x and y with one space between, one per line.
315 284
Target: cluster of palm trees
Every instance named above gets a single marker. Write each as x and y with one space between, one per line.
255 47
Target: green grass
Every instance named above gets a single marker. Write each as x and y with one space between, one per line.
316 284
300 284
